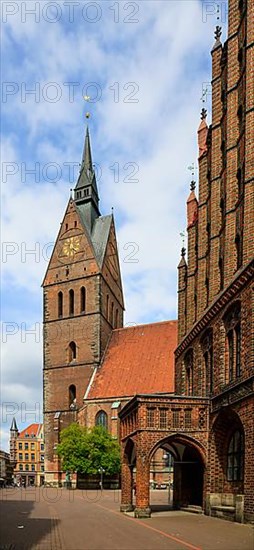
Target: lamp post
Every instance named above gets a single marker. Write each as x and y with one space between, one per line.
101 471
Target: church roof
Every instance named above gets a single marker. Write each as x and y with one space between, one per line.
100 231
138 359
14 425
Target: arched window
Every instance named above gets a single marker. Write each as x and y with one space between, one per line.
72 396
60 304
72 351
188 363
235 457
82 299
101 419
232 322
71 302
207 349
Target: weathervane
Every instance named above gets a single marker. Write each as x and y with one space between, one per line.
87 99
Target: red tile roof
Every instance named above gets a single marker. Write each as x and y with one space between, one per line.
137 360
32 429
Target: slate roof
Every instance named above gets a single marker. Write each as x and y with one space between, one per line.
138 359
100 231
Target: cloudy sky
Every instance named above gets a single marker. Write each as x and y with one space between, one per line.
145 66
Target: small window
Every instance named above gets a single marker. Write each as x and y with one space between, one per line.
235 457
20 456
163 419
82 299
32 456
60 304
26 456
42 447
66 226
72 351
26 446
33 467
27 467
75 223
72 397
21 467
176 418
42 467
187 418
71 302
20 446
101 419
150 417
32 446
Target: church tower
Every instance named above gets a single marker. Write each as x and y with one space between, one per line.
13 442
82 303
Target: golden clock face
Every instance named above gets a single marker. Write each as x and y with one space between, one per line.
71 246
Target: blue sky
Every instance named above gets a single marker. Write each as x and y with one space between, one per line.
148 63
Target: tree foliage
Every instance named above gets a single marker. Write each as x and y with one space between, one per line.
86 451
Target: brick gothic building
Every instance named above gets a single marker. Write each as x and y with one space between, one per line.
83 302
208 426
93 366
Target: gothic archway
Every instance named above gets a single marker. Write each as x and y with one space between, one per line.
187 476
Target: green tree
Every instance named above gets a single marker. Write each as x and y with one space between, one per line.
86 451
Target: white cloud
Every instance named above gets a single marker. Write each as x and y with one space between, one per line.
167 56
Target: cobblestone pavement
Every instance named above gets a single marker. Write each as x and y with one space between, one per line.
57 519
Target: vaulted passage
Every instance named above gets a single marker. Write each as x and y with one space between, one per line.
183 476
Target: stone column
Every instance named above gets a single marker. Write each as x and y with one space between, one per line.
142 509
126 487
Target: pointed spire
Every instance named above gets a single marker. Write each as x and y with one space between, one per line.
87 155
192 206
14 425
86 192
202 133
182 262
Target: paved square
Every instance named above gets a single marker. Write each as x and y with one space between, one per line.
57 519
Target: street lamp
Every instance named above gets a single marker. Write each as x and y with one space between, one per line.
101 471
